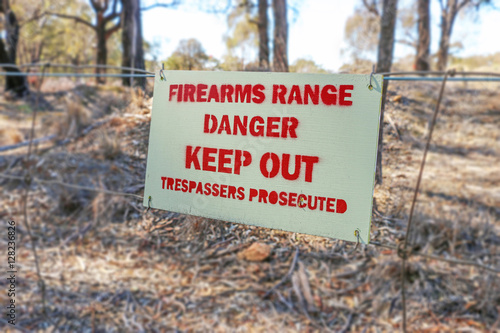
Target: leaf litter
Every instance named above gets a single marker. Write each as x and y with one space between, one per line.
110 266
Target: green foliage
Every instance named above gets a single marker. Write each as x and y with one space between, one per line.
189 55
114 45
484 62
362 28
232 63
47 38
242 38
306 66
357 66
362 31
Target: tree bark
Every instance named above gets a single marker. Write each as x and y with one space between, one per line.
16 84
102 52
384 63
422 62
386 40
132 42
8 53
448 15
12 29
263 36
280 50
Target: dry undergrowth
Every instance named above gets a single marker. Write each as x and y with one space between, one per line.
110 266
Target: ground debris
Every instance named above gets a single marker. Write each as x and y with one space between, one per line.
255 252
111 265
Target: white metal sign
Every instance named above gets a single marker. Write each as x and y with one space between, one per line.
294 152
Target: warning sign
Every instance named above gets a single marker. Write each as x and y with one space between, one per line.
294 152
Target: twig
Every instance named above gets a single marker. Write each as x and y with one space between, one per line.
347 325
404 255
284 301
28 178
394 126
225 252
287 276
434 257
78 233
26 143
77 187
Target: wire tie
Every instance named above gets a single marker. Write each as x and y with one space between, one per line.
404 253
357 233
162 75
370 86
149 204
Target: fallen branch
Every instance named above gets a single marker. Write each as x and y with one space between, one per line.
86 131
287 276
26 143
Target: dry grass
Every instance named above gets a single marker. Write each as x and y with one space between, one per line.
109 266
108 145
73 120
9 136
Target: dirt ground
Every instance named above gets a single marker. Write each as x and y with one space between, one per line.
110 266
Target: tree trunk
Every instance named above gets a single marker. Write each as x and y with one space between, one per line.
280 51
102 53
448 15
12 38
16 84
386 40
384 63
139 49
424 37
132 43
263 36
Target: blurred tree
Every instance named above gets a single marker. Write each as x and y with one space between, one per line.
249 28
8 50
384 63
449 11
231 62
44 37
357 66
189 55
422 61
280 47
406 23
242 37
132 39
306 66
107 22
262 25
386 39
132 42
362 29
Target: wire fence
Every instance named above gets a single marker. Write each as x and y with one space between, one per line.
459 76
404 250
76 67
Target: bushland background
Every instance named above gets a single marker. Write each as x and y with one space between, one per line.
104 263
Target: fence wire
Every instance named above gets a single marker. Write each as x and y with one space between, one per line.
466 76
403 250
77 67
138 197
